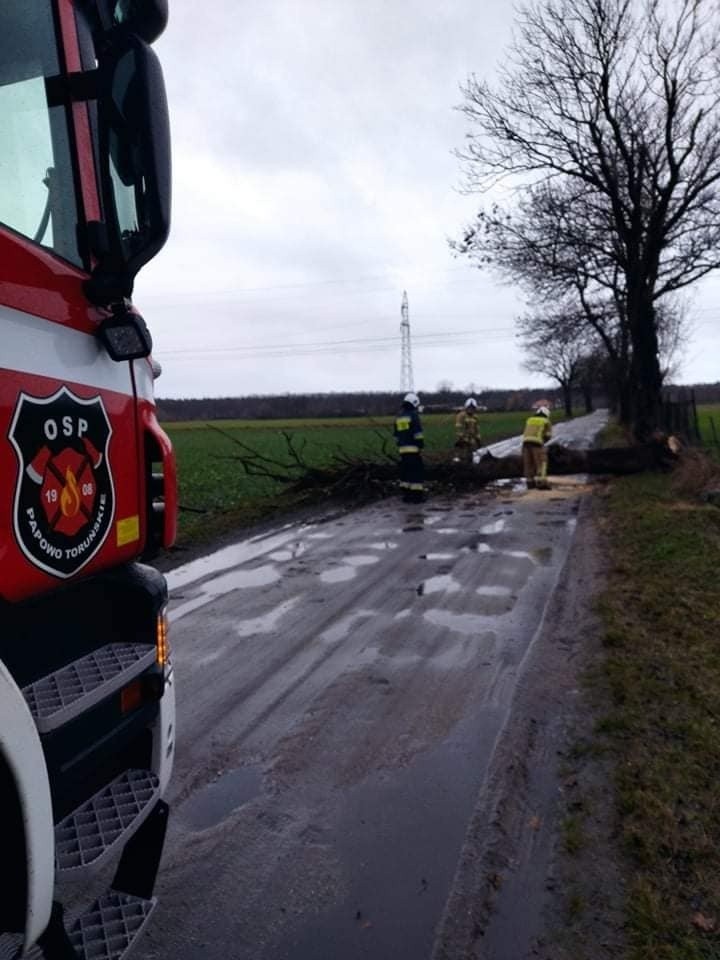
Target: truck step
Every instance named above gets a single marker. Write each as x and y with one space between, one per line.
88 835
59 697
108 930
10 944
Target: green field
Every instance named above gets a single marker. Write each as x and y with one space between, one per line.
214 484
709 422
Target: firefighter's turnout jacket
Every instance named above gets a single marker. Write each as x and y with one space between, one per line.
467 430
538 430
410 441
408 432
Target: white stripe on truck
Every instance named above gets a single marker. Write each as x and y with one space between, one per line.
33 345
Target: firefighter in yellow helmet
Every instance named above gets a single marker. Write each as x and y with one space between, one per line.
467 429
536 434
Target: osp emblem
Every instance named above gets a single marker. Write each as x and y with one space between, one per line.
64 497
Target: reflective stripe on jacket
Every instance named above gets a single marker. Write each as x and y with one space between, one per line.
537 430
408 433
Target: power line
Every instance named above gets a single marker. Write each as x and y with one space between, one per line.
231 295
281 352
449 337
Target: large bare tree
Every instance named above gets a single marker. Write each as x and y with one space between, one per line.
610 107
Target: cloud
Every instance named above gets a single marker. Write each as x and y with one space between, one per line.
314 181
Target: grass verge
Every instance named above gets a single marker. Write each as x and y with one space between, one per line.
661 613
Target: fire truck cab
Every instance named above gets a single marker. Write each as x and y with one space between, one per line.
87 478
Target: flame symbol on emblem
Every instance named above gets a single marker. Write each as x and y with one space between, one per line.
70 498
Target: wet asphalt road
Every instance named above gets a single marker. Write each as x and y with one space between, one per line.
341 686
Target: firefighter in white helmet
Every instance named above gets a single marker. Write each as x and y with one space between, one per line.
410 442
467 430
537 432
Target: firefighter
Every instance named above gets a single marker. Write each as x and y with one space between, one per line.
467 429
538 431
409 438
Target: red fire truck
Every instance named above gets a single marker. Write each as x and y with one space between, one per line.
87 478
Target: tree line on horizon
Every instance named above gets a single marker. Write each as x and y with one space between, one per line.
375 403
341 404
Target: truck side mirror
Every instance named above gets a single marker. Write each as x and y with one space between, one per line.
145 18
134 157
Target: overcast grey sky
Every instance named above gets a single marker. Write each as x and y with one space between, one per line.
313 182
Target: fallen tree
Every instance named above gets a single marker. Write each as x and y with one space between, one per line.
369 478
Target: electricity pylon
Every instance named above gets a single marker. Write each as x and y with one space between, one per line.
406 367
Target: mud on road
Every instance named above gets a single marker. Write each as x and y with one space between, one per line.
370 711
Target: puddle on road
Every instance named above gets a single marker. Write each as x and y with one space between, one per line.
215 802
266 623
232 556
496 526
437 556
292 552
226 583
476 546
349 568
442 584
494 591
447 531
508 486
384 545
540 555
338 574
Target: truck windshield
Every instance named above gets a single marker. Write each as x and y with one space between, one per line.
37 188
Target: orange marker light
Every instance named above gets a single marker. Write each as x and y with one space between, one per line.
162 643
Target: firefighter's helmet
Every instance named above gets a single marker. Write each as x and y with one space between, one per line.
413 399
471 403
543 411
